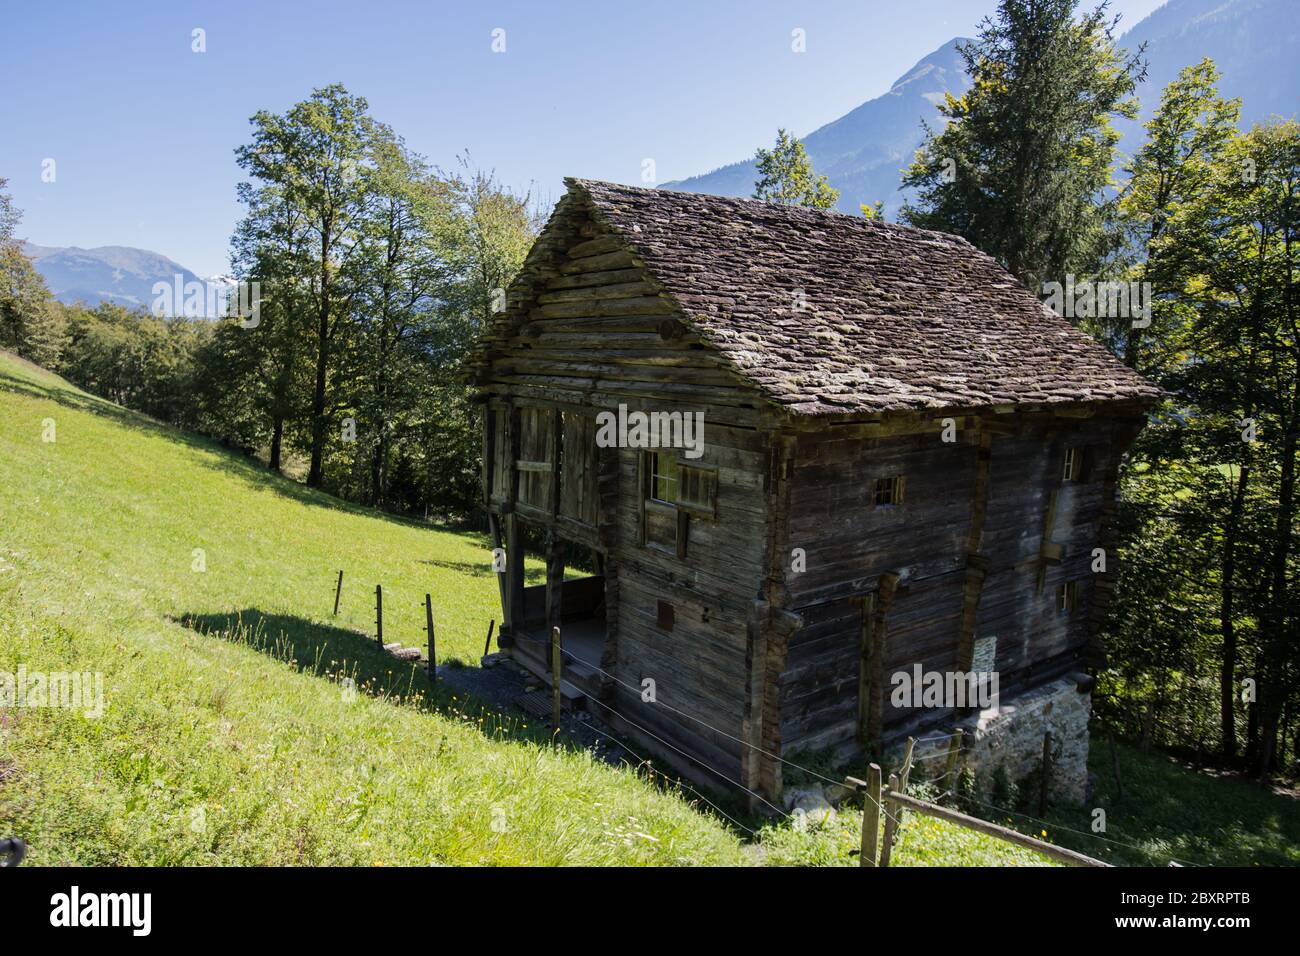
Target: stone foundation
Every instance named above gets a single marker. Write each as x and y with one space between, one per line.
1011 736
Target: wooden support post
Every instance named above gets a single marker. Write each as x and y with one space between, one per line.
907 765
428 625
556 672
870 815
891 821
338 590
487 645
950 765
379 615
1045 773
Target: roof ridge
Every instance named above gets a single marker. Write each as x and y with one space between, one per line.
786 208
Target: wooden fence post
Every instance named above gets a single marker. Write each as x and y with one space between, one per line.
950 768
428 618
556 665
338 590
891 821
907 765
893 812
487 645
1045 773
870 817
379 615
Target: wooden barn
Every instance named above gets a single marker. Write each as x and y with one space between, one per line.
904 459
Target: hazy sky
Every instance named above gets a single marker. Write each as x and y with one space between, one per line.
143 130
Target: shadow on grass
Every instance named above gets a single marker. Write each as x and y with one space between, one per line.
483 569
336 654
219 457
340 654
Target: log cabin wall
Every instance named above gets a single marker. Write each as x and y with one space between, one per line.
592 333
1035 532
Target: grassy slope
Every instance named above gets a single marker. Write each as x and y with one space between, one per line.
248 751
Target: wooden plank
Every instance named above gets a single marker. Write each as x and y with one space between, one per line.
1061 854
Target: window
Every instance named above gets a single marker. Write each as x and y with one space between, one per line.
889 491
663 477
1067 597
1070 467
697 489
664 616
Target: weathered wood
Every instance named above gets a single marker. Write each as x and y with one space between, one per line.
557 672
1061 854
870 816
950 765
433 644
338 591
891 821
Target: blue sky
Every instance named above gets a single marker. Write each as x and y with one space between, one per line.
142 129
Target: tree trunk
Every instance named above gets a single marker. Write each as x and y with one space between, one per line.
1275 657
1227 624
277 441
315 473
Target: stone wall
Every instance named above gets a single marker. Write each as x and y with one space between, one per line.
1010 735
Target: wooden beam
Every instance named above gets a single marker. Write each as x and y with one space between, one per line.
1059 853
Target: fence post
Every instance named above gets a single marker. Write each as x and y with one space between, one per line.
487 645
338 590
891 821
556 665
870 817
950 770
428 619
1046 772
379 615
907 765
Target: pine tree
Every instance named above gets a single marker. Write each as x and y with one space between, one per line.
1022 163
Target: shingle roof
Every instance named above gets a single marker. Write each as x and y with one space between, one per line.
894 317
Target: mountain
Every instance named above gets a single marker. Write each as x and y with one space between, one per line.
118 274
862 152
1253 42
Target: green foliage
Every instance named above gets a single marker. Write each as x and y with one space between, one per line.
1022 162
29 323
786 176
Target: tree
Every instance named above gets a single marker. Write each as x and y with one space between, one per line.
1186 138
316 156
786 176
1021 165
30 322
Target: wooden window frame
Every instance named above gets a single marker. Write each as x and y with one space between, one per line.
897 491
1067 598
707 478
1072 464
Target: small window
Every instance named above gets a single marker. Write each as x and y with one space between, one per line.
664 616
1067 597
663 478
1070 467
889 491
697 489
